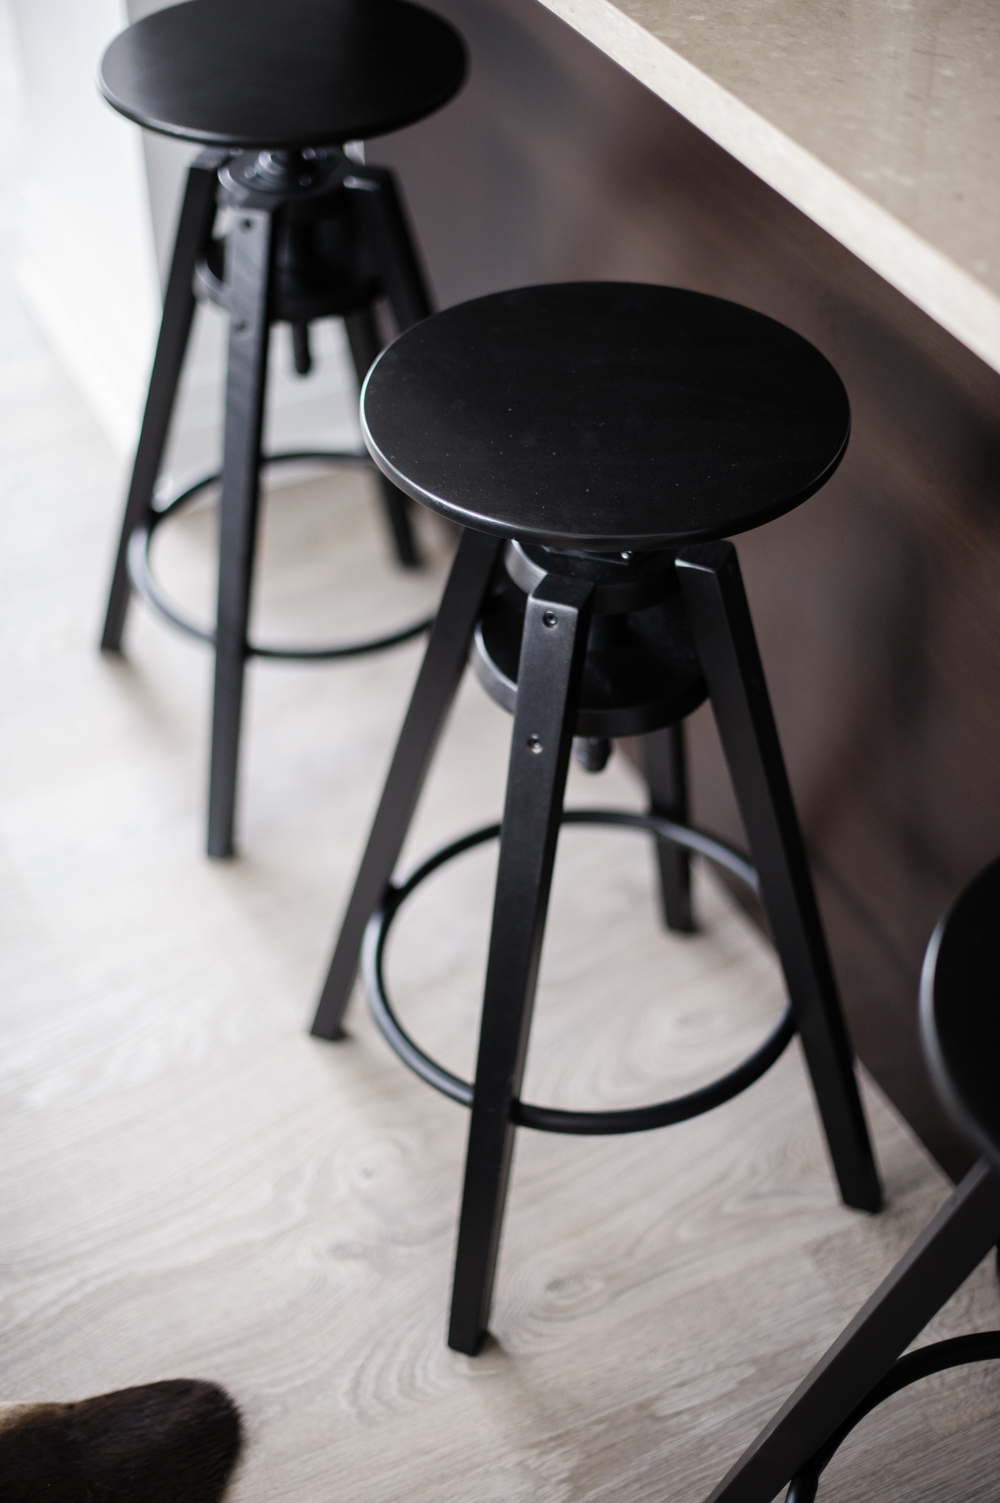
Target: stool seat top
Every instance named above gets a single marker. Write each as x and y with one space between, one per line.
605 415
284 74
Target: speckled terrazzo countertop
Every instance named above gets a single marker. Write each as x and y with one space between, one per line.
880 119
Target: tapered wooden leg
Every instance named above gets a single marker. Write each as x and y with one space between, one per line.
365 346
552 652
925 1278
391 240
193 230
380 203
249 274
664 766
435 689
716 604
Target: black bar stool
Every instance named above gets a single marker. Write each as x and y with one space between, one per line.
960 1024
273 90
596 440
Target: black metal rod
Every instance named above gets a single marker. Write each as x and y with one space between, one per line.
717 608
551 664
193 230
962 1233
664 766
436 686
301 350
250 252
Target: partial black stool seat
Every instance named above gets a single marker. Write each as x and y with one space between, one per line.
273 89
960 1024
596 440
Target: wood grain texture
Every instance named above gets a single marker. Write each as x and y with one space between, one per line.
876 603
190 1185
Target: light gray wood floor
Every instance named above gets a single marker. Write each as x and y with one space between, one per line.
190 1185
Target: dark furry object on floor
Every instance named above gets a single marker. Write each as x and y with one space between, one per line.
172 1442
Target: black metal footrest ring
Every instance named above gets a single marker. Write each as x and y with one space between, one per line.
141 574
960 1350
551 1119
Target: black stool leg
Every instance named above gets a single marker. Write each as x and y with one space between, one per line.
193 230
552 653
249 274
363 339
923 1280
400 271
664 765
716 605
436 686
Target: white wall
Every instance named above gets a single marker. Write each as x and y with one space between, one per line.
85 260
99 204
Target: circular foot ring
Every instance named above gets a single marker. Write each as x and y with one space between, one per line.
551 1119
143 582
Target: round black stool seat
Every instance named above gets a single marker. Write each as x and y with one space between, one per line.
283 73
605 416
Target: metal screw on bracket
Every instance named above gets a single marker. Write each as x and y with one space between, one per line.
534 744
549 618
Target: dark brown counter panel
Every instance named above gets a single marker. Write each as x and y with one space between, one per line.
878 602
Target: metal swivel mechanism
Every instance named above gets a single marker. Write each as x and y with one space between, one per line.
598 441
273 91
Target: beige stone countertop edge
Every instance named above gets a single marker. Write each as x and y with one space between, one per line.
931 280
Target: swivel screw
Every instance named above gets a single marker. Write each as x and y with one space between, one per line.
534 744
549 618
